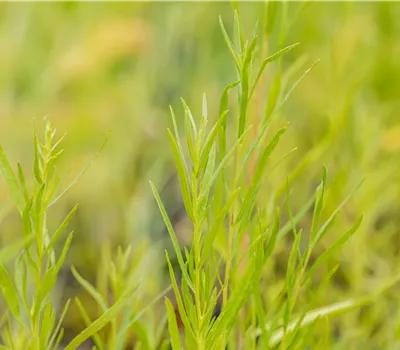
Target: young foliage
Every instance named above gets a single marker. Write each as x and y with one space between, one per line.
37 266
230 224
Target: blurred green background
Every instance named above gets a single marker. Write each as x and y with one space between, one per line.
94 67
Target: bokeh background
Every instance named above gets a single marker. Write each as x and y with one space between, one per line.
94 67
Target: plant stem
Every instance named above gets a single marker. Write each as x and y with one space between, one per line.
197 257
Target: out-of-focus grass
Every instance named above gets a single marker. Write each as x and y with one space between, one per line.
94 67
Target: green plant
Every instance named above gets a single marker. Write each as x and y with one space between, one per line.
235 232
243 229
31 319
28 296
33 324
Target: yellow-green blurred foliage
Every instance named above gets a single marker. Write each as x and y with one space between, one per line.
92 67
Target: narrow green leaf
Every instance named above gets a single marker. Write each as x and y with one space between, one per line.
182 174
210 142
259 308
293 224
96 338
56 185
330 310
61 229
20 278
294 68
190 139
325 226
283 158
273 96
160 332
238 34
99 323
172 235
295 338
236 300
319 202
181 308
331 249
81 173
9 292
291 278
209 171
173 327
296 219
269 59
177 138
43 289
273 237
58 339
189 114
221 166
37 162
223 106
23 182
187 299
138 315
210 237
249 52
47 324
297 82
142 334
121 337
57 143
64 251
245 220
59 323
38 216
253 146
244 83
210 165
258 175
90 289
9 334
230 45
310 317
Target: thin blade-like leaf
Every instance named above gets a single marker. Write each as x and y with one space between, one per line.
81 173
61 229
173 326
230 45
221 166
172 235
331 249
327 223
182 174
258 175
99 323
210 141
223 106
269 59
90 289
88 321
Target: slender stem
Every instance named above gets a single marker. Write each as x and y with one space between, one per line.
197 261
36 315
229 257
